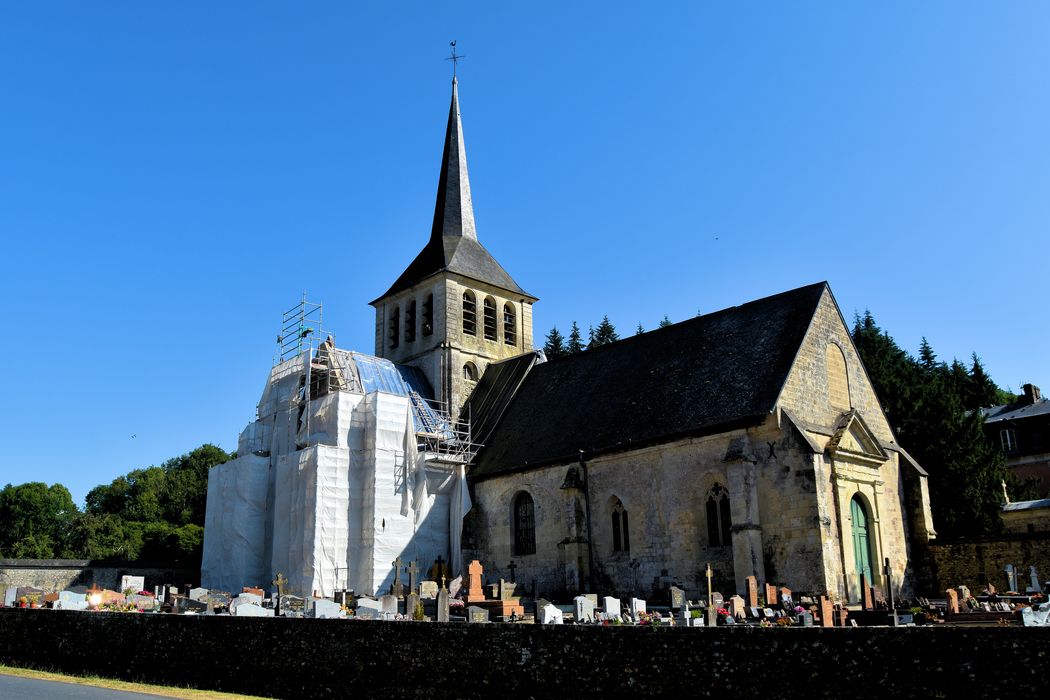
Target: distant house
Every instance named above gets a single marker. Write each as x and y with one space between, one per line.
1022 429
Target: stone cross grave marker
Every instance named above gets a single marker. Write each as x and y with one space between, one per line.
752 591
583 609
280 581
677 598
1011 579
511 567
413 576
709 574
442 605
396 588
474 589
439 571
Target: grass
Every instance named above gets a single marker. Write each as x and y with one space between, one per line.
159 690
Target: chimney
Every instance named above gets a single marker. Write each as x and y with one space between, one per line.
1032 394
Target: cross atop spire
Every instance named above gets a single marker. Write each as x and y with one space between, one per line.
454 58
454 213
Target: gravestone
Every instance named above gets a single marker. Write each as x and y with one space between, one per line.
252 610
475 592
593 597
369 609
292 606
455 585
677 598
964 593
768 613
428 590
254 591
388 605
476 614
637 608
507 590
805 619
771 594
198 594
827 612
324 609
752 591
990 590
413 576
249 598
736 606
1011 579
583 609
611 606
397 588
141 602
219 599
135 583
10 597
953 601
786 600
442 605
717 601
411 601
551 615
1033 577
188 605
753 613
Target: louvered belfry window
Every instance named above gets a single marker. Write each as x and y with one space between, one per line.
490 318
470 314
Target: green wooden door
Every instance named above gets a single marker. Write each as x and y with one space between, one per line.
861 546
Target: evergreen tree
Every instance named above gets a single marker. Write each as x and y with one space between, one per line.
604 334
639 330
925 403
555 345
665 322
575 345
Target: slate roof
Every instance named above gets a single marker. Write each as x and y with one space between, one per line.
453 244
701 376
1016 411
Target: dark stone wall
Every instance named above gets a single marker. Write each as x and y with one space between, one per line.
56 574
338 658
977 562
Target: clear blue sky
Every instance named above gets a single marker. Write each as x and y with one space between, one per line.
173 176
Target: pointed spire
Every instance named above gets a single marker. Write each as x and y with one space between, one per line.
454 211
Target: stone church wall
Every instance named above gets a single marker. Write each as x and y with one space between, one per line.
664 490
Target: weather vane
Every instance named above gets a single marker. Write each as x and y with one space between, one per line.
454 57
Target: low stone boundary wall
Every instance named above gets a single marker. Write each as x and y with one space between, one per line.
299 658
977 562
57 574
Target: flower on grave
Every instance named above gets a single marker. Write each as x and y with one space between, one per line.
799 609
145 593
722 612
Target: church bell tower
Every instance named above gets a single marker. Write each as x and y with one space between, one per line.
454 310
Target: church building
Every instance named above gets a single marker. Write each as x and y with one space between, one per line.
749 439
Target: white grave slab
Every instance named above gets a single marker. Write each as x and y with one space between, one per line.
326 609
551 615
135 583
637 606
252 610
612 606
583 609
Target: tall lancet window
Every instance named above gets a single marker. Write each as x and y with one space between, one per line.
490 318
470 313
524 519
718 520
620 528
510 326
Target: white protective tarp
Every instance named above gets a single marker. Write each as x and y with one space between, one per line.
235 522
343 493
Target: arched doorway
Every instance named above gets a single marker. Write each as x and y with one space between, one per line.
861 541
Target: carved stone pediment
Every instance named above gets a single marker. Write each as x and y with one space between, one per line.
853 441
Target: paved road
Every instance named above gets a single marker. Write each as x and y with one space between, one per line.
16 688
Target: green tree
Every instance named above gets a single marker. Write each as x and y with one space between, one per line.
604 334
36 519
665 321
575 345
555 345
925 401
639 330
